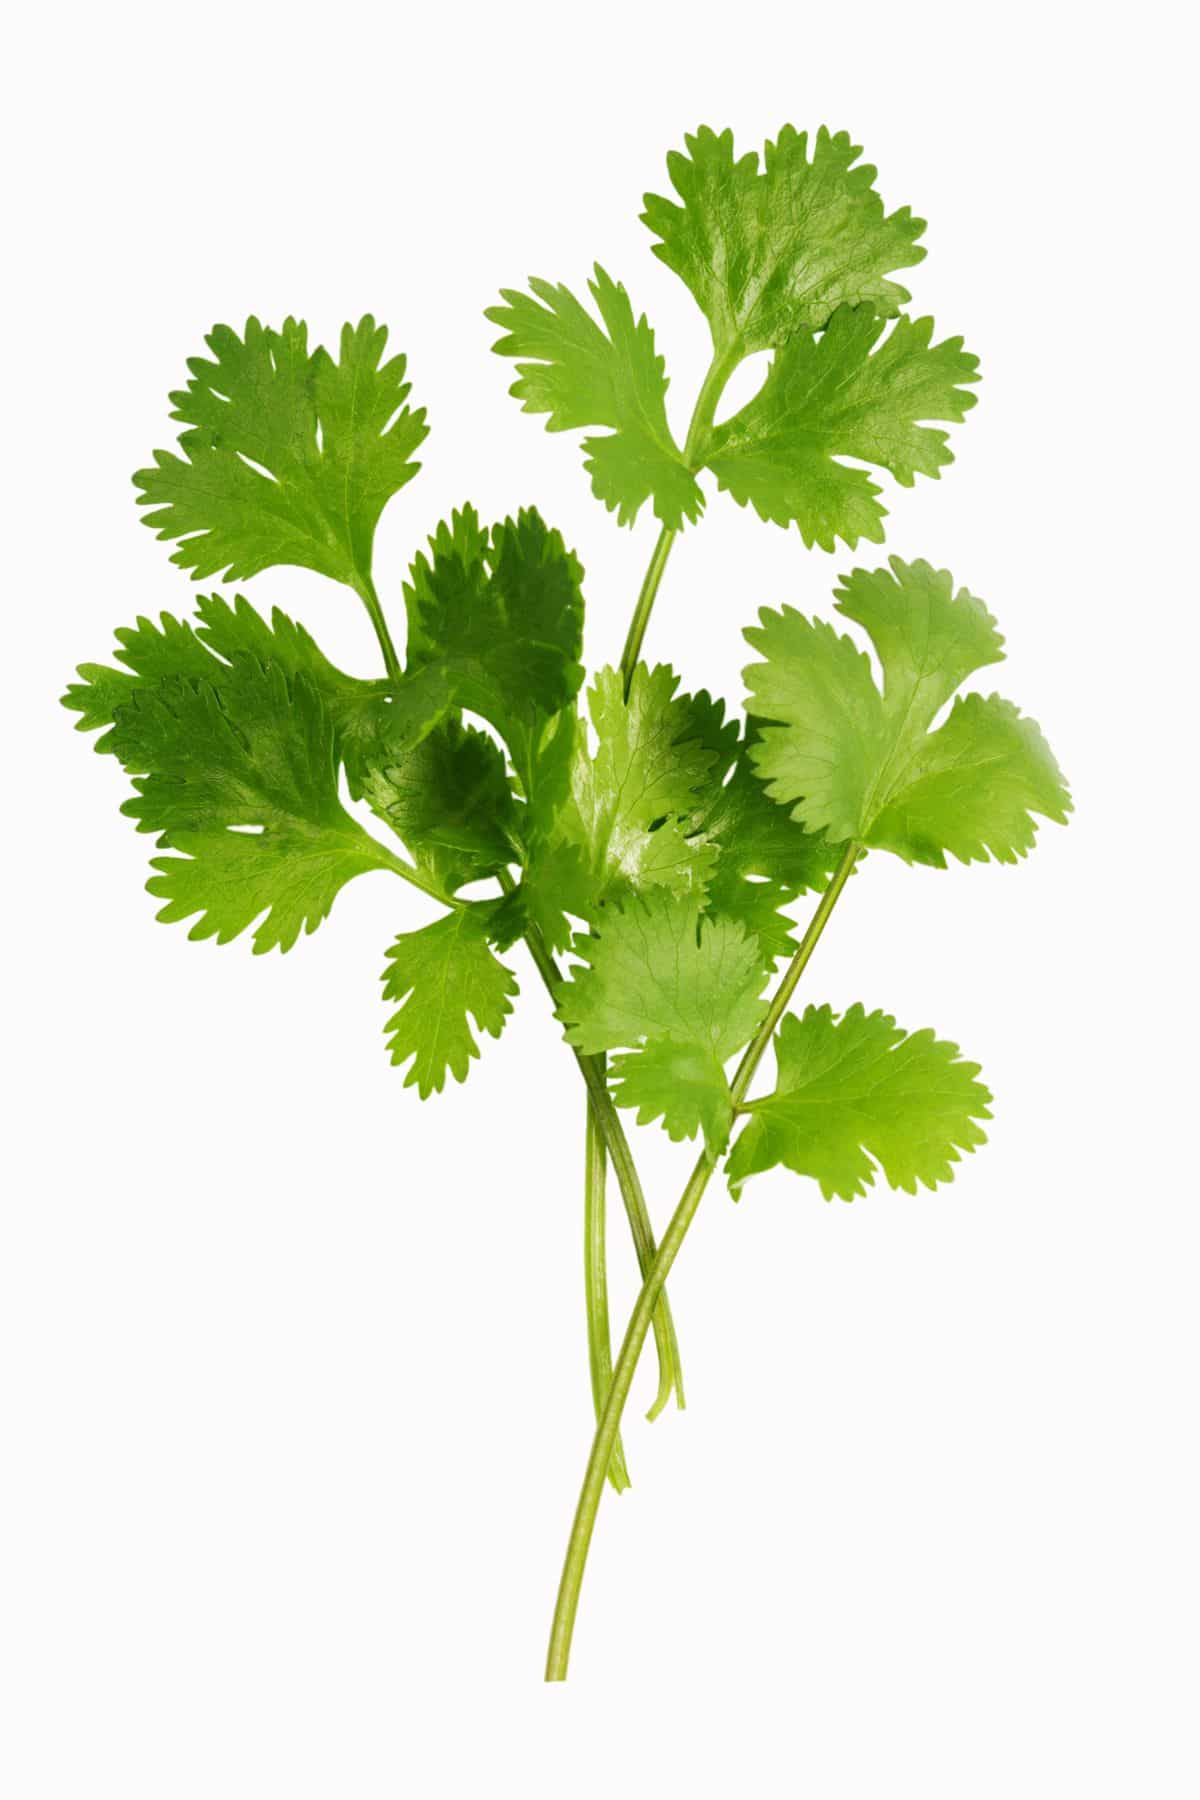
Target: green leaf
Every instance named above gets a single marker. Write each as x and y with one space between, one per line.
771 252
449 799
501 612
627 824
443 977
834 396
151 653
681 1084
243 785
370 718
289 457
855 1093
765 859
584 374
660 975
857 763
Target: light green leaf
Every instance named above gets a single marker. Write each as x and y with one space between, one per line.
855 1093
828 397
857 763
289 457
681 1084
584 374
627 824
655 974
445 976
771 252
243 785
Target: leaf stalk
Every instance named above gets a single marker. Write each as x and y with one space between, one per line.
583 1525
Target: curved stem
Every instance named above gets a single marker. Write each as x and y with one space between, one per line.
364 587
592 1490
711 389
596 1285
670 1373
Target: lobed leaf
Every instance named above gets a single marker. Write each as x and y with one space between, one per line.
288 456
774 251
370 718
585 374
444 977
857 1093
858 763
450 801
765 858
242 784
682 991
500 612
626 825
834 396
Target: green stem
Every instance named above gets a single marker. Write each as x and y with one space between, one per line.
596 1285
645 604
670 1374
635 1336
699 427
408 873
364 587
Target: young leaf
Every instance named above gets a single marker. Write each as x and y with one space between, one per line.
243 785
444 976
449 799
857 1092
288 457
828 397
857 763
627 825
769 253
501 612
682 991
584 374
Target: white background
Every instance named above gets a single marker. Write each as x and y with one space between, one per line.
294 1399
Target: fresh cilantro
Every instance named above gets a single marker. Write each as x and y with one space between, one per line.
858 763
500 611
682 992
829 397
450 800
771 252
289 457
857 1093
242 784
586 375
765 858
681 839
793 257
443 977
627 823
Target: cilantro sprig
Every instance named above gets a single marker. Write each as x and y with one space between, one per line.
646 850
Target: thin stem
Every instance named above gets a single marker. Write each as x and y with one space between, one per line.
670 1374
364 587
699 427
592 1490
596 1285
407 872
645 604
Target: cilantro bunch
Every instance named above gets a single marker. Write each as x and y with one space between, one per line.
646 850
